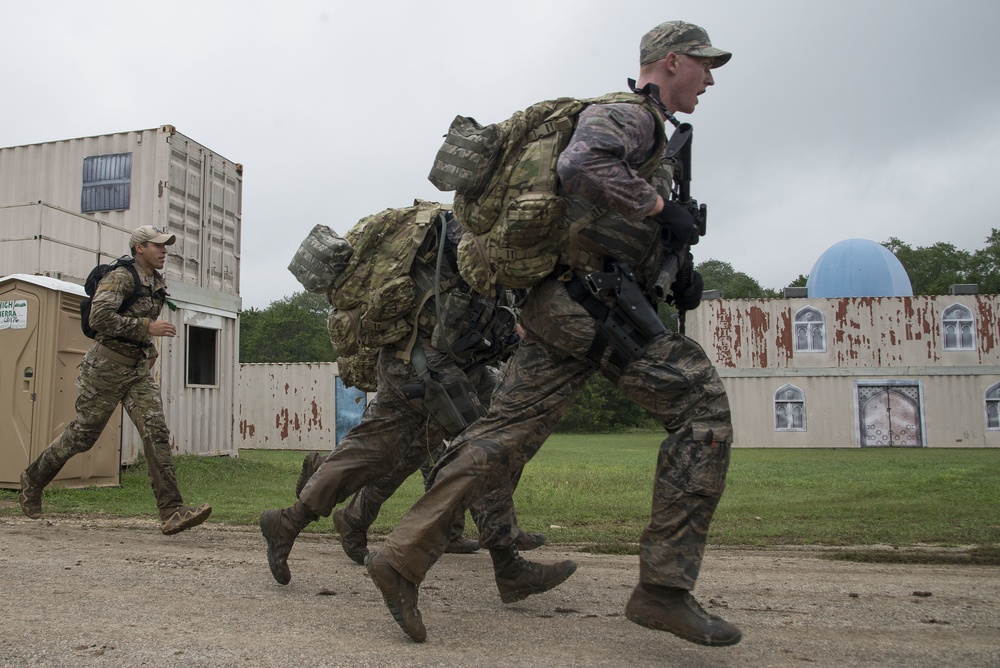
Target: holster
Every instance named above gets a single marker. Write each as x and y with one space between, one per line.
453 403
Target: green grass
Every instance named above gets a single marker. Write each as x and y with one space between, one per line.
596 489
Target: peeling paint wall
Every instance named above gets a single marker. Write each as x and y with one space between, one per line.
287 406
867 341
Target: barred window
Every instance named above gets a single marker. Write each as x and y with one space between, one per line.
107 182
789 409
810 331
958 327
993 407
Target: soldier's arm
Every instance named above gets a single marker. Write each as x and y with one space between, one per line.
109 295
609 144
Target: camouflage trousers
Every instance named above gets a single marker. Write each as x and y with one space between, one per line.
396 436
673 380
103 384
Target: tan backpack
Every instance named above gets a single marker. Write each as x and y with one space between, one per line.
507 190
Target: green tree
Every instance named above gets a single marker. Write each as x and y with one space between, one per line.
292 329
601 408
932 269
800 282
984 267
719 275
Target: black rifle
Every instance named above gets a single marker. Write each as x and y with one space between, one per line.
676 265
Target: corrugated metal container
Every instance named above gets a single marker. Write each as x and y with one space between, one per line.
175 183
167 180
293 407
878 372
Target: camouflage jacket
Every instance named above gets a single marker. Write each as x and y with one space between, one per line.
599 165
134 323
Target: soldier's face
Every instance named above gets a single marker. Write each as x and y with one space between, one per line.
692 77
152 255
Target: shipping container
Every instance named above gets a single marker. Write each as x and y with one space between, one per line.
66 206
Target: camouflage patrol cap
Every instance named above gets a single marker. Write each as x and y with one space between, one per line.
148 233
680 37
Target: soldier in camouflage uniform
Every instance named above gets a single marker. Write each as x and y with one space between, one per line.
399 428
116 370
671 377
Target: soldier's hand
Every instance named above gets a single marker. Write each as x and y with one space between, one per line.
677 223
161 328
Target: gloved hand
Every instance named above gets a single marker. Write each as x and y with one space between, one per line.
687 294
677 224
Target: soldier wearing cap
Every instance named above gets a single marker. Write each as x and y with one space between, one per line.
116 370
670 376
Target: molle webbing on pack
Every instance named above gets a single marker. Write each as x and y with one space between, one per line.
507 190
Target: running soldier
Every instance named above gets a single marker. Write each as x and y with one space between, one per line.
668 374
116 370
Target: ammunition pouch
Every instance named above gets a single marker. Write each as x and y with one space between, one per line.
453 402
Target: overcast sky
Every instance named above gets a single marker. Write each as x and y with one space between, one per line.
833 120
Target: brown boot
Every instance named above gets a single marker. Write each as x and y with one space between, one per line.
309 466
517 578
462 546
185 518
280 528
354 541
30 498
529 541
676 611
400 595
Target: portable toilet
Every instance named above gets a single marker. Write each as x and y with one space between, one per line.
41 346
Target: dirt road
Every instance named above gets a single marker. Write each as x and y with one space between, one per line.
81 591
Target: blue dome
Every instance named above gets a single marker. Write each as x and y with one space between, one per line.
858 268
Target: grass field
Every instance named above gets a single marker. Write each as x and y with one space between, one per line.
596 489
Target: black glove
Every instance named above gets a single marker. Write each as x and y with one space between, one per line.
687 294
677 223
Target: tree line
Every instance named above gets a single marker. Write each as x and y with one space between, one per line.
293 329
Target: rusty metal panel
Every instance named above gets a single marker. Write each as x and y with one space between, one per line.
287 406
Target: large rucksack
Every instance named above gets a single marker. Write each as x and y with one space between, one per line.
366 277
90 287
507 190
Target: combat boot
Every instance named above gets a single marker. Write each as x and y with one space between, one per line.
184 518
462 545
400 595
309 466
30 498
517 578
354 541
676 611
529 541
280 528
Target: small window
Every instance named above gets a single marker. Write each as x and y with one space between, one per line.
958 327
789 409
810 331
202 356
107 182
993 407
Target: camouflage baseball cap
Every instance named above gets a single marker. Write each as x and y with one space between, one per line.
680 37
148 233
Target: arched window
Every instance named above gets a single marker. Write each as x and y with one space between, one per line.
993 407
810 331
958 327
789 409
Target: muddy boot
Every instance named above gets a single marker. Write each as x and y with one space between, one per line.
529 541
280 528
400 595
184 518
30 498
354 541
517 578
676 611
309 466
462 546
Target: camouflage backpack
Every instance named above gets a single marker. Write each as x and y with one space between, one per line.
507 191
365 276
